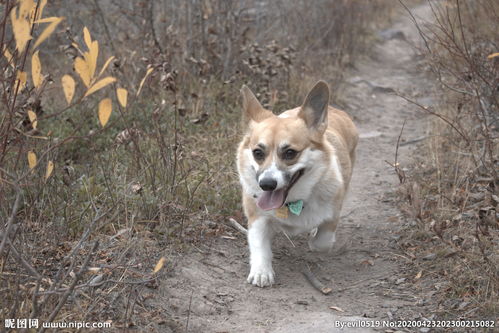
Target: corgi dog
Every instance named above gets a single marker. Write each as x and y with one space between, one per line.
294 169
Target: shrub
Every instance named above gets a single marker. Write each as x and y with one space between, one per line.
453 191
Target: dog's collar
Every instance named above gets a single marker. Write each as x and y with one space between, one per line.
294 207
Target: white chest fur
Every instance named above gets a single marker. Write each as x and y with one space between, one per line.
313 214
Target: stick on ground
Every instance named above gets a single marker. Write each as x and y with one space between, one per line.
315 282
237 226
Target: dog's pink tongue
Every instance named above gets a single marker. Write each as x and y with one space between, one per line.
271 199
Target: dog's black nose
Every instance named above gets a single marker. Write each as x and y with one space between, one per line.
268 184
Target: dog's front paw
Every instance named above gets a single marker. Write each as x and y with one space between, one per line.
322 241
261 276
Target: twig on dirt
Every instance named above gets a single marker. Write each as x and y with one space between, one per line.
237 226
315 282
289 239
189 313
410 142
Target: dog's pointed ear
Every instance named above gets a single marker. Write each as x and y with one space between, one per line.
252 109
315 107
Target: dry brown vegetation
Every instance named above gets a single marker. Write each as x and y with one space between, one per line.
453 189
92 197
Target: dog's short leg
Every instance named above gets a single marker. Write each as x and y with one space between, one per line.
324 238
260 235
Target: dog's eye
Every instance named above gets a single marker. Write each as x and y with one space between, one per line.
258 154
289 154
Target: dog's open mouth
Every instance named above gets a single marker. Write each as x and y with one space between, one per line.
275 199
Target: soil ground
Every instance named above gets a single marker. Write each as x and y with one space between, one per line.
207 291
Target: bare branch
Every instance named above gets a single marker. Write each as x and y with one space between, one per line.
20 258
427 109
71 288
12 217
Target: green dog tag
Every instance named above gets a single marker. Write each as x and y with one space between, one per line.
296 207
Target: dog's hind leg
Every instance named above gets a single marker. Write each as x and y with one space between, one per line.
324 238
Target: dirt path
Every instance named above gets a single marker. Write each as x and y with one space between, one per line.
363 271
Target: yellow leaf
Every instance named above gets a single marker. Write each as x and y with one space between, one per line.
144 80
25 7
493 55
93 52
48 19
86 37
21 30
68 86
122 96
159 265
99 85
48 30
50 168
36 70
39 13
21 78
31 159
91 56
108 61
81 68
105 109
32 118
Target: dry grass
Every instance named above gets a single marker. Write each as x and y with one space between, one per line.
453 191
